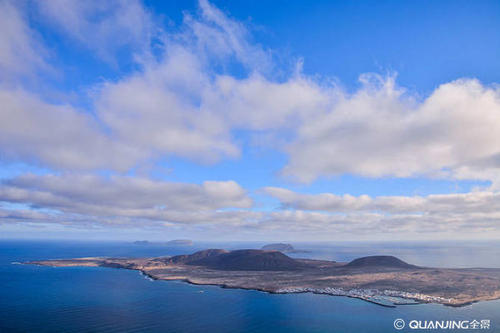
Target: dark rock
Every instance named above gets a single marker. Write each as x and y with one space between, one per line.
200 255
379 261
251 260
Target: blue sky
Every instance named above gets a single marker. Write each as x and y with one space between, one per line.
282 120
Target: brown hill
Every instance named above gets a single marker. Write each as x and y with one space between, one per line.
243 260
188 258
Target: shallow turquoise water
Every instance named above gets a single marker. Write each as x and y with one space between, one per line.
78 299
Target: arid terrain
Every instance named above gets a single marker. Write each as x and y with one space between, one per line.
374 278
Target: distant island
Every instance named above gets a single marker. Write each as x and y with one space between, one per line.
282 247
142 242
180 242
384 280
175 242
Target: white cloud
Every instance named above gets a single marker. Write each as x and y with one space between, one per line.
381 131
22 215
88 200
324 201
21 54
258 104
179 105
128 192
151 114
157 110
105 27
471 202
218 35
57 135
182 103
125 199
471 213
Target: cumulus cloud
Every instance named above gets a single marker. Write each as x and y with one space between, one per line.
184 102
127 196
178 104
258 104
156 110
382 131
175 104
86 200
474 212
57 135
471 202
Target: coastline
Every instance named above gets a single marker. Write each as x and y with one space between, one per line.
393 305
351 283
224 286
154 278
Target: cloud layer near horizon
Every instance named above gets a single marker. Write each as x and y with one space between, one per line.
87 200
181 99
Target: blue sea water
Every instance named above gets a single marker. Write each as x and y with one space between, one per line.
87 299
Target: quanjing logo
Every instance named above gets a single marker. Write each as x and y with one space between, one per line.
482 324
399 324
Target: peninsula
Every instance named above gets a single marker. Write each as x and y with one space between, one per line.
385 280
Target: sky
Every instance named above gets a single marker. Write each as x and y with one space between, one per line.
250 120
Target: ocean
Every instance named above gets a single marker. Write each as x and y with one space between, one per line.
89 299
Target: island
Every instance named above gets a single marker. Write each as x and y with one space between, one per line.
180 242
385 280
282 247
142 242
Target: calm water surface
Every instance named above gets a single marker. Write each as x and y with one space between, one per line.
79 299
